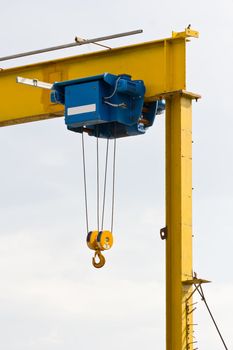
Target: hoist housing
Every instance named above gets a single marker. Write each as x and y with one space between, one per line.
106 105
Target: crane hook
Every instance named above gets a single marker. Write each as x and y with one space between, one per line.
101 259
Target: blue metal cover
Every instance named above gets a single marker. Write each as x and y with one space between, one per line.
105 105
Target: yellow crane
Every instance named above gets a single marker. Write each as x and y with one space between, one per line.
161 64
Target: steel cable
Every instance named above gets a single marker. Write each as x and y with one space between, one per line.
113 183
211 315
98 180
98 184
85 182
105 184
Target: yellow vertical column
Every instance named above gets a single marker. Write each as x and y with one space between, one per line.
178 221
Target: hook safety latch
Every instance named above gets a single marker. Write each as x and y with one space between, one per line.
101 258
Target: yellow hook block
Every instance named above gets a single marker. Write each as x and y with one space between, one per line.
102 240
92 240
99 241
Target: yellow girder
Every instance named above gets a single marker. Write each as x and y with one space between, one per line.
160 64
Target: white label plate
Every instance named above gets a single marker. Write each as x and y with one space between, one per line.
81 109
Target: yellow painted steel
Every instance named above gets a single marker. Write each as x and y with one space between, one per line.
179 222
92 240
188 32
100 240
160 64
105 240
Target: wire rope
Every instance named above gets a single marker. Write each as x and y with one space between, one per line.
113 183
211 315
98 216
105 184
85 182
98 181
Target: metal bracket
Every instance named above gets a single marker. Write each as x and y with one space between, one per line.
188 32
170 94
163 233
195 281
34 83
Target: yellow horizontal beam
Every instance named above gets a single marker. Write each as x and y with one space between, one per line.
160 64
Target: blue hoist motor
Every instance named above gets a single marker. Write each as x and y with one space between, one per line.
106 105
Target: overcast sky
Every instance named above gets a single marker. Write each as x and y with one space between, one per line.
50 296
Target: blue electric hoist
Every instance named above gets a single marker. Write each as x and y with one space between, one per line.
106 106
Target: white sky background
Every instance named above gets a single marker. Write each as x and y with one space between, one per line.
50 296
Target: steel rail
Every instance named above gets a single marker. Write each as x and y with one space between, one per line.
65 46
